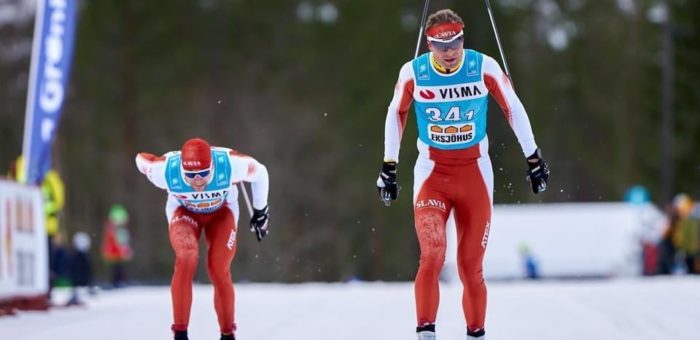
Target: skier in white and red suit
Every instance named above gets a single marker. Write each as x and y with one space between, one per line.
449 88
202 196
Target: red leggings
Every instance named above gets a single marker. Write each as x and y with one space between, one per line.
439 188
220 232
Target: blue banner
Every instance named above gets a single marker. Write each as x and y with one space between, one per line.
52 50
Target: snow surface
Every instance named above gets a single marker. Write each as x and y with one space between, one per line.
620 309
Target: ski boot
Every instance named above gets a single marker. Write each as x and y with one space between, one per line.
228 337
426 332
478 334
180 335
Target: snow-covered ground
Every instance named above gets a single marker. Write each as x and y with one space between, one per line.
621 309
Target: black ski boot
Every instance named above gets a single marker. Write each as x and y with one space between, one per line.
180 335
426 332
478 334
228 337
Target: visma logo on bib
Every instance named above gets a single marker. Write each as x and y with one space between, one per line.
450 93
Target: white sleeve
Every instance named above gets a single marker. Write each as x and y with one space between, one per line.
246 168
153 167
502 91
397 113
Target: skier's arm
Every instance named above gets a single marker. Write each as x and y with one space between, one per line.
394 125
248 169
502 91
153 167
397 113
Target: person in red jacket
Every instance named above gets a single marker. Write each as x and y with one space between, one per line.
116 244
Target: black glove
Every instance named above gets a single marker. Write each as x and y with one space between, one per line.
538 172
386 183
259 221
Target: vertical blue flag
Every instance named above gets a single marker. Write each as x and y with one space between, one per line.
52 50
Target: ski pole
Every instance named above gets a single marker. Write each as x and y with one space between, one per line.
498 41
247 199
422 23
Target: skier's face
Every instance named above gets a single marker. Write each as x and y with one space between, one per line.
198 180
448 55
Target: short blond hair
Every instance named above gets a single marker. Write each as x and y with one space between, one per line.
441 17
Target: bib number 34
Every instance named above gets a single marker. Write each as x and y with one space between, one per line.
453 128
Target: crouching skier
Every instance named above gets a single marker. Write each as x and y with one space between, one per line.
202 196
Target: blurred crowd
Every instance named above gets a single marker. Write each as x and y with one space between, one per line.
677 251
71 265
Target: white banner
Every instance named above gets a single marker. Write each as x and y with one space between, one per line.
564 240
23 242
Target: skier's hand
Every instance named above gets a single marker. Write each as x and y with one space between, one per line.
386 183
259 222
538 172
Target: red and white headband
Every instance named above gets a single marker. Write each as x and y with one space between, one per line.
445 32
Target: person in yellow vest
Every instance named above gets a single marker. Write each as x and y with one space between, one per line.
54 199
687 231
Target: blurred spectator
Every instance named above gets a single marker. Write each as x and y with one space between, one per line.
680 243
530 266
54 198
116 244
685 235
650 258
651 225
58 262
80 268
667 249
